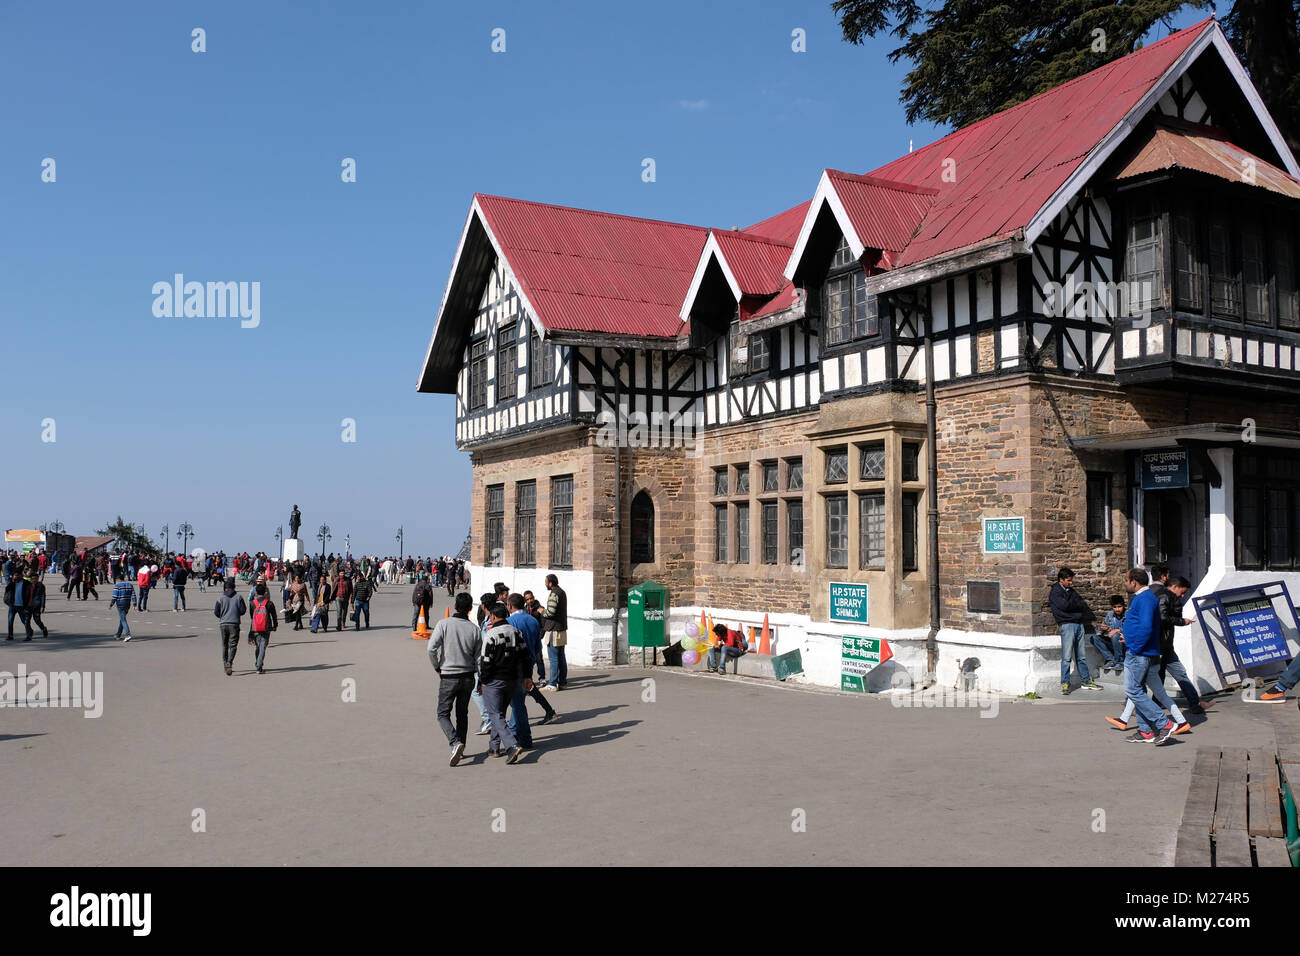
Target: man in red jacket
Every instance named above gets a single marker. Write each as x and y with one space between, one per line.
730 644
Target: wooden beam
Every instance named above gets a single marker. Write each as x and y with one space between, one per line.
1265 810
1230 811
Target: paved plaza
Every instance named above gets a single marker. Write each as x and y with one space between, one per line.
711 770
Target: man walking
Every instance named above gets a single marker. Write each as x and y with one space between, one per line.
1170 594
421 600
531 631
1142 652
37 607
123 598
555 622
261 622
230 607
18 595
455 647
1069 610
504 663
343 593
361 591
180 577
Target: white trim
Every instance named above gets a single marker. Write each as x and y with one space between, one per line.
711 248
825 194
1252 97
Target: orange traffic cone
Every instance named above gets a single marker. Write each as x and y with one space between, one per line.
704 625
448 614
765 639
421 632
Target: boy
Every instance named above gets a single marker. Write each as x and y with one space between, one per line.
1110 643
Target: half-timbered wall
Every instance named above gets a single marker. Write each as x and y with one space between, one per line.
655 389
1184 103
529 407
791 383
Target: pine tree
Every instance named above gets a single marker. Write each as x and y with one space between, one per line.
129 537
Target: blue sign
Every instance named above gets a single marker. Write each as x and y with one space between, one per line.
849 603
1165 469
1004 535
1256 631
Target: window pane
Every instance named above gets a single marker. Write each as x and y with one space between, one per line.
478 374
643 529
836 310
742 534
794 478
1142 260
873 461
843 255
759 354
742 480
1279 529
864 308
720 533
562 522
1223 272
837 531
911 461
525 523
507 363
837 466
794 530
1250 550
871 531
911 507
770 478
1098 507
1255 273
719 482
769 532
1188 269
1288 297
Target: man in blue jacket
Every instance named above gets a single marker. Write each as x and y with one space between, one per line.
1070 611
531 629
1142 646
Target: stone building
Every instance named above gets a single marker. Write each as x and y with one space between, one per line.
1068 334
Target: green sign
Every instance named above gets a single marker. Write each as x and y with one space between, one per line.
849 602
1004 535
858 657
787 664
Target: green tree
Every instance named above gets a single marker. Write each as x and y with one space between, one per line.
971 58
130 537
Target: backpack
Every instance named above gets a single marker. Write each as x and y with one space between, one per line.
9 593
261 617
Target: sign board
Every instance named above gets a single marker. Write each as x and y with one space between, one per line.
1004 535
849 602
787 665
1256 631
1165 468
858 657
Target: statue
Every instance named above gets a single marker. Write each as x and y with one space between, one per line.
295 521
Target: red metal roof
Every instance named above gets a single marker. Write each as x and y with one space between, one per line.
885 214
1005 167
756 263
591 271
783 227
1205 150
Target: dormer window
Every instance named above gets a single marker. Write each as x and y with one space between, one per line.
848 312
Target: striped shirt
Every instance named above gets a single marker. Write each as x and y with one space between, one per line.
123 594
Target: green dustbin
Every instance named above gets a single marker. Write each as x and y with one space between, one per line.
647 616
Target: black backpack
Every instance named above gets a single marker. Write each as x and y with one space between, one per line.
9 593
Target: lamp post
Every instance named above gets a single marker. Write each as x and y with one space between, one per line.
186 531
401 543
167 540
323 534
56 527
347 546
279 538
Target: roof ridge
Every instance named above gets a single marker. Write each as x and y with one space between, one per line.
742 234
593 212
884 183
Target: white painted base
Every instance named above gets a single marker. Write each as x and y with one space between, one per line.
293 549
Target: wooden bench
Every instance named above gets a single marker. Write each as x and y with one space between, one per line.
1233 814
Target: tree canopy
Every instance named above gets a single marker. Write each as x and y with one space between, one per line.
129 537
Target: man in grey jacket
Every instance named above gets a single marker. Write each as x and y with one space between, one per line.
230 607
454 649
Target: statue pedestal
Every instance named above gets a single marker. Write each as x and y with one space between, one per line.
293 549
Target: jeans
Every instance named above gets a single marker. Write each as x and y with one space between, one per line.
1156 686
262 638
1178 672
143 600
719 656
415 617
496 695
1150 717
537 695
343 614
229 642
121 622
178 594
481 704
24 615
455 690
518 723
1072 647
361 606
1291 676
558 666
1106 648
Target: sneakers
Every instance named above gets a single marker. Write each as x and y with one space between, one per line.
514 753
496 753
550 718
485 729
1182 728
1164 734
457 751
228 669
549 688
1091 685
126 639
1140 738
1065 690
1117 723
1271 696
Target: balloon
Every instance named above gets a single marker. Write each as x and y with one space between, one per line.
693 630
688 643
691 657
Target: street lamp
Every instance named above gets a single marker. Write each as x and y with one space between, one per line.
323 535
279 537
401 543
167 540
56 527
347 546
186 531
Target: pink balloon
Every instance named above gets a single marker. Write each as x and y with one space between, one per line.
694 629
690 657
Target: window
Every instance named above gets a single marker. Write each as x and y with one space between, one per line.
871 531
1288 299
911 512
837 466
769 531
541 361
562 522
478 374
849 312
1255 273
843 255
794 475
1223 272
719 482
911 461
760 352
1189 275
525 524
872 461
742 534
496 513
771 480
1098 506
507 363
742 479
794 531
643 529
1142 259
1268 511
837 531
720 533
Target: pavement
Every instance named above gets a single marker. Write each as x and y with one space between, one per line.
333 757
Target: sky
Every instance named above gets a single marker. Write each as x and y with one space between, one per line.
227 165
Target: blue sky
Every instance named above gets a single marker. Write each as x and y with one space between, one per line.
225 166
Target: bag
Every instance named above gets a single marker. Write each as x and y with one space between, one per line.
9 593
261 616
315 618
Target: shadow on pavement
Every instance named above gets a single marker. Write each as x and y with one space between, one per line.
305 667
579 737
576 716
4 737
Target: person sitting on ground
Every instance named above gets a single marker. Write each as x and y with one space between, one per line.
730 644
1110 642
